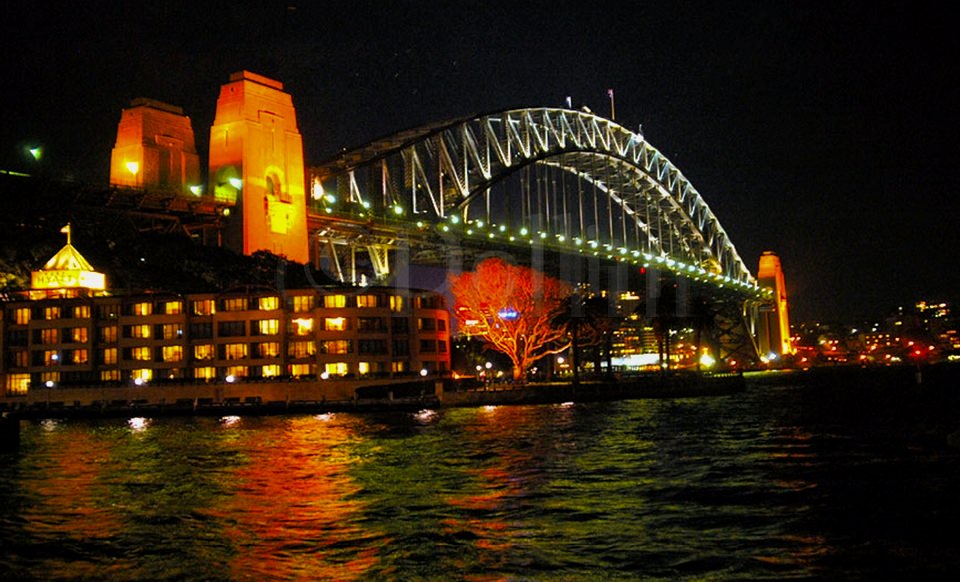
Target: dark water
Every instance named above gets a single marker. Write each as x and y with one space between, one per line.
776 483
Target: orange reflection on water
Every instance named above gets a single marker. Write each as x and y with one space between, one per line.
65 490
498 482
292 498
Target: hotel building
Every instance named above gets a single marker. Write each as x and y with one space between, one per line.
65 333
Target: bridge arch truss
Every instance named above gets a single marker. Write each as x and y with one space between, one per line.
561 177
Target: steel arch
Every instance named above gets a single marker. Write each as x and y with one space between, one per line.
445 171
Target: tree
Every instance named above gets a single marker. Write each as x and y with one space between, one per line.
514 309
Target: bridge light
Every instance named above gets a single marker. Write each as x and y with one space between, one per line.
503 228
543 235
512 238
365 204
445 228
578 241
398 210
491 235
524 231
561 238
479 224
454 219
593 244
330 198
469 231
419 224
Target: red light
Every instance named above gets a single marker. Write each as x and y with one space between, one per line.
643 270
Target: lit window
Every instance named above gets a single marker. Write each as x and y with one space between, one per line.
337 368
204 307
396 303
21 359
237 371
22 316
363 367
49 377
268 350
108 334
51 358
81 312
235 304
270 371
50 336
172 353
203 352
301 369
144 308
205 373
173 307
337 347
110 356
301 349
366 300
140 331
171 331
302 303
235 351
268 326
141 354
80 356
109 375
301 326
78 335
335 324
51 313
331 301
268 303
398 367
143 374
18 383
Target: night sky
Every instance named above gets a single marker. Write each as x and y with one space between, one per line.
824 131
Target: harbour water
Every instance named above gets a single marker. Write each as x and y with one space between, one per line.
777 482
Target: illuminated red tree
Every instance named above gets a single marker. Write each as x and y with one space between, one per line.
514 309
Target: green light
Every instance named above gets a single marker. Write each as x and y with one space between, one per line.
36 152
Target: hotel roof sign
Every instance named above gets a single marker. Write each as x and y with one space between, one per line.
67 270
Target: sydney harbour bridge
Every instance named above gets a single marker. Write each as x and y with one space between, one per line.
566 191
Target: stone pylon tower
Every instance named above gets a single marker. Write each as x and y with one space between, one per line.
155 149
774 322
256 164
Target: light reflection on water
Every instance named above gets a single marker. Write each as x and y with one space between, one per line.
758 485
